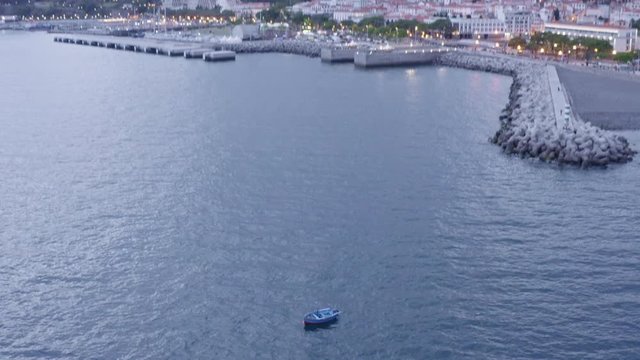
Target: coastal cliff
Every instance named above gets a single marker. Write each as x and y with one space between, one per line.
528 124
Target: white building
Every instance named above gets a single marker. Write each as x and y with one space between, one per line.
622 39
516 22
8 18
477 27
188 4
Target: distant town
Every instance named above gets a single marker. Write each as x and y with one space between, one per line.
603 29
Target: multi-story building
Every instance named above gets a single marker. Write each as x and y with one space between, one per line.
479 27
518 23
622 39
188 4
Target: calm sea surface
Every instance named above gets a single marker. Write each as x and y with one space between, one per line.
159 208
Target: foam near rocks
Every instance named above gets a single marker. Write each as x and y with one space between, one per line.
528 125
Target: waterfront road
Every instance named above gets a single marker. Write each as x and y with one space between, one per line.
610 102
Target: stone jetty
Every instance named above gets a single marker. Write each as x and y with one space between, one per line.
529 126
287 46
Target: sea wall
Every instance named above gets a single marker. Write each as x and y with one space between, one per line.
528 124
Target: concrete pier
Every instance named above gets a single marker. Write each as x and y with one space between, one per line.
396 56
170 48
223 55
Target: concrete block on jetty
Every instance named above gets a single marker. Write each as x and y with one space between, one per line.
396 56
223 55
196 53
338 53
529 126
177 51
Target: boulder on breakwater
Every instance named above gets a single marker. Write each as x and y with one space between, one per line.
528 124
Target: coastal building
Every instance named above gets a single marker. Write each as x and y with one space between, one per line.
246 31
249 8
8 18
188 4
622 39
479 28
518 22
314 7
353 15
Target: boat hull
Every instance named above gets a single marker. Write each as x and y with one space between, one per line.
321 317
320 322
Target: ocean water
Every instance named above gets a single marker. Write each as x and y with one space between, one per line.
163 208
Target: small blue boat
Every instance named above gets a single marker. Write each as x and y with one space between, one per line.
321 317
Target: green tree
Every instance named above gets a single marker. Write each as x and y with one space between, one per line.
375 21
275 13
329 25
227 14
517 42
624 57
347 23
298 18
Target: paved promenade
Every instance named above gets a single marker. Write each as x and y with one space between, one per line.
609 102
557 95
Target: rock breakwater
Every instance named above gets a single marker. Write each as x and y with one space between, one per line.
528 124
298 47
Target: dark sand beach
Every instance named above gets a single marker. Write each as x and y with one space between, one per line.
607 100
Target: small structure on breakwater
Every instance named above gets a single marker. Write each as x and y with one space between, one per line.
190 51
338 53
222 55
396 56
